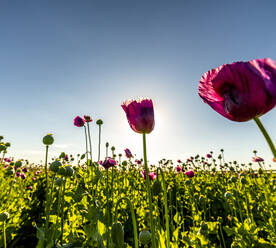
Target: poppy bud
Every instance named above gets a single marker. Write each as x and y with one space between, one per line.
145 237
156 187
117 234
4 216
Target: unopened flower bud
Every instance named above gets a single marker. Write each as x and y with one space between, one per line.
145 237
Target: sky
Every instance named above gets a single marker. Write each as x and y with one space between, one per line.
65 58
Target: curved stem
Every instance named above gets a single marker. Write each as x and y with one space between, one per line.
148 191
132 216
166 206
266 135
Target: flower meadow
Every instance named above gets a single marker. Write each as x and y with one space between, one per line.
112 199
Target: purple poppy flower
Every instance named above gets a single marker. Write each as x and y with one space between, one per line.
137 161
208 155
190 173
257 159
22 175
87 118
140 115
78 121
24 170
66 158
152 175
178 168
128 153
109 162
17 174
179 161
240 91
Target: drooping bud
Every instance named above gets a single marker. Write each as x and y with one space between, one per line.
117 235
69 171
156 187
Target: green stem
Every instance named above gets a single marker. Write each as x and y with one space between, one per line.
46 192
4 234
62 212
107 209
48 203
132 216
166 207
99 147
86 145
111 193
149 192
220 228
89 138
266 135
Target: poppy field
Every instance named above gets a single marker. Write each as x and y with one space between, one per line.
109 198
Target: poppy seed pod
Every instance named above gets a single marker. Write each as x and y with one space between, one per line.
48 139
55 166
69 171
99 122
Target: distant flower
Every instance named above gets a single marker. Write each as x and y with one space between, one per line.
8 160
87 118
179 161
140 115
22 175
128 153
33 178
24 170
137 161
208 155
240 91
257 159
37 172
17 174
109 162
152 175
30 187
66 158
78 121
190 173
178 168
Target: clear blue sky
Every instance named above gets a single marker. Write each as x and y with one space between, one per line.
63 58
